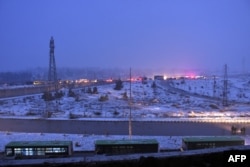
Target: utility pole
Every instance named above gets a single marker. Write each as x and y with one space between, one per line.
243 66
225 87
130 103
214 87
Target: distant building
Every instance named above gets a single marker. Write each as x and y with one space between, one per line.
192 143
144 80
158 77
38 82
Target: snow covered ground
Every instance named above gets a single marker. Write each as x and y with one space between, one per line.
200 98
184 98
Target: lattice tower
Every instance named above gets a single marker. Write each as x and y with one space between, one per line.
52 77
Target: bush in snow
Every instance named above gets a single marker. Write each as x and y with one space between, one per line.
30 113
97 113
104 98
73 116
118 85
59 95
213 106
153 85
89 90
77 144
77 98
125 96
116 112
71 93
95 91
47 96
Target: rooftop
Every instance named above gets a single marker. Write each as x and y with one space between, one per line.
212 138
38 143
121 142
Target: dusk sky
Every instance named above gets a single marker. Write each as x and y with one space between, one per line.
151 34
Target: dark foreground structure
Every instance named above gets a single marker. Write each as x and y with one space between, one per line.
212 157
192 143
38 149
114 147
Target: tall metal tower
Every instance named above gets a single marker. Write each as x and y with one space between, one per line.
52 77
52 80
225 87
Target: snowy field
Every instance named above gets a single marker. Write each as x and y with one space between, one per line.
175 98
184 98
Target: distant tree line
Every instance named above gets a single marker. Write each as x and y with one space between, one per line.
118 85
14 78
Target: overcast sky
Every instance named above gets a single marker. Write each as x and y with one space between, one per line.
152 34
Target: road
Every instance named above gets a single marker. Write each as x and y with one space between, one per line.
150 128
167 86
32 90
